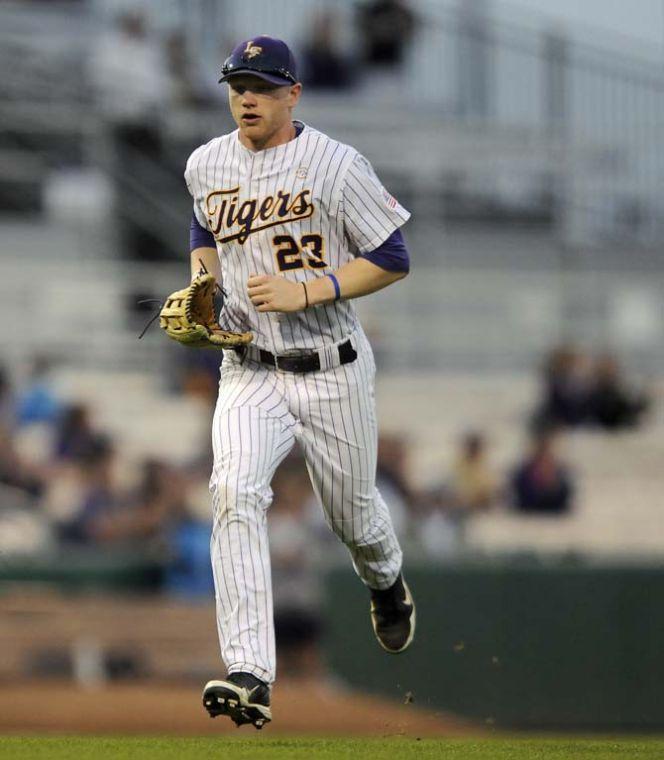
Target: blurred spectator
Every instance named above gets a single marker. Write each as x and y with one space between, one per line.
613 405
15 471
393 480
160 511
130 75
581 392
38 402
542 483
189 572
74 435
386 28
436 530
99 494
325 66
6 401
156 515
150 513
197 374
567 386
472 485
294 550
184 88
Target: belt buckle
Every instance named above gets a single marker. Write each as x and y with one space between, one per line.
297 362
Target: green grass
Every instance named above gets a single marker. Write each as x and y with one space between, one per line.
80 748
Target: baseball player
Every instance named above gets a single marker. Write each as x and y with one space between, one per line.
295 225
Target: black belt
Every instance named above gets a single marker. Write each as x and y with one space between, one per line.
308 361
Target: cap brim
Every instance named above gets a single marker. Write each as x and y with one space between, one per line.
272 78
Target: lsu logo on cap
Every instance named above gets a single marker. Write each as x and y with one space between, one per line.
251 51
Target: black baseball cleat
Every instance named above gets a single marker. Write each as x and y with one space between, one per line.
393 616
243 697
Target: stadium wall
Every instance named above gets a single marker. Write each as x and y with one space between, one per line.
517 644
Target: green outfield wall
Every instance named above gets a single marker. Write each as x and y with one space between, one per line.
517 644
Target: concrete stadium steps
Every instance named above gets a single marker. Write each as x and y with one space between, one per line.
620 484
175 430
612 516
606 455
504 321
93 384
472 301
70 296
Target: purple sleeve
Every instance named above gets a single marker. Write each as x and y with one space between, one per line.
391 254
199 237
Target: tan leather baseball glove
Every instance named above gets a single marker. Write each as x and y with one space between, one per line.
188 317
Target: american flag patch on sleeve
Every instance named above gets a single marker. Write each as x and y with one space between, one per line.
390 201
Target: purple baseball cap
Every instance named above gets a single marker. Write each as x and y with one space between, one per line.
265 57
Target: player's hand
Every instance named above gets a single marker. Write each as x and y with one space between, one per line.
275 293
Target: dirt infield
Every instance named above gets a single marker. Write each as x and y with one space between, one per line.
299 708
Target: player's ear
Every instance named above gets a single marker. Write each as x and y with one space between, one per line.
294 93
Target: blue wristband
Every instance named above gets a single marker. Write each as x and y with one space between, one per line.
337 289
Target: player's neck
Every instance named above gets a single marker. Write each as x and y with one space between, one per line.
280 137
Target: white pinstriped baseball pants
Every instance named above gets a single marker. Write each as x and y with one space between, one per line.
260 414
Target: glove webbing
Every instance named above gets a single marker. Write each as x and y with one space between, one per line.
160 305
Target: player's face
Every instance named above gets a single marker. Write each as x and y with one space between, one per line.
261 110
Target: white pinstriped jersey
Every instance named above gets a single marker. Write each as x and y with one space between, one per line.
300 209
